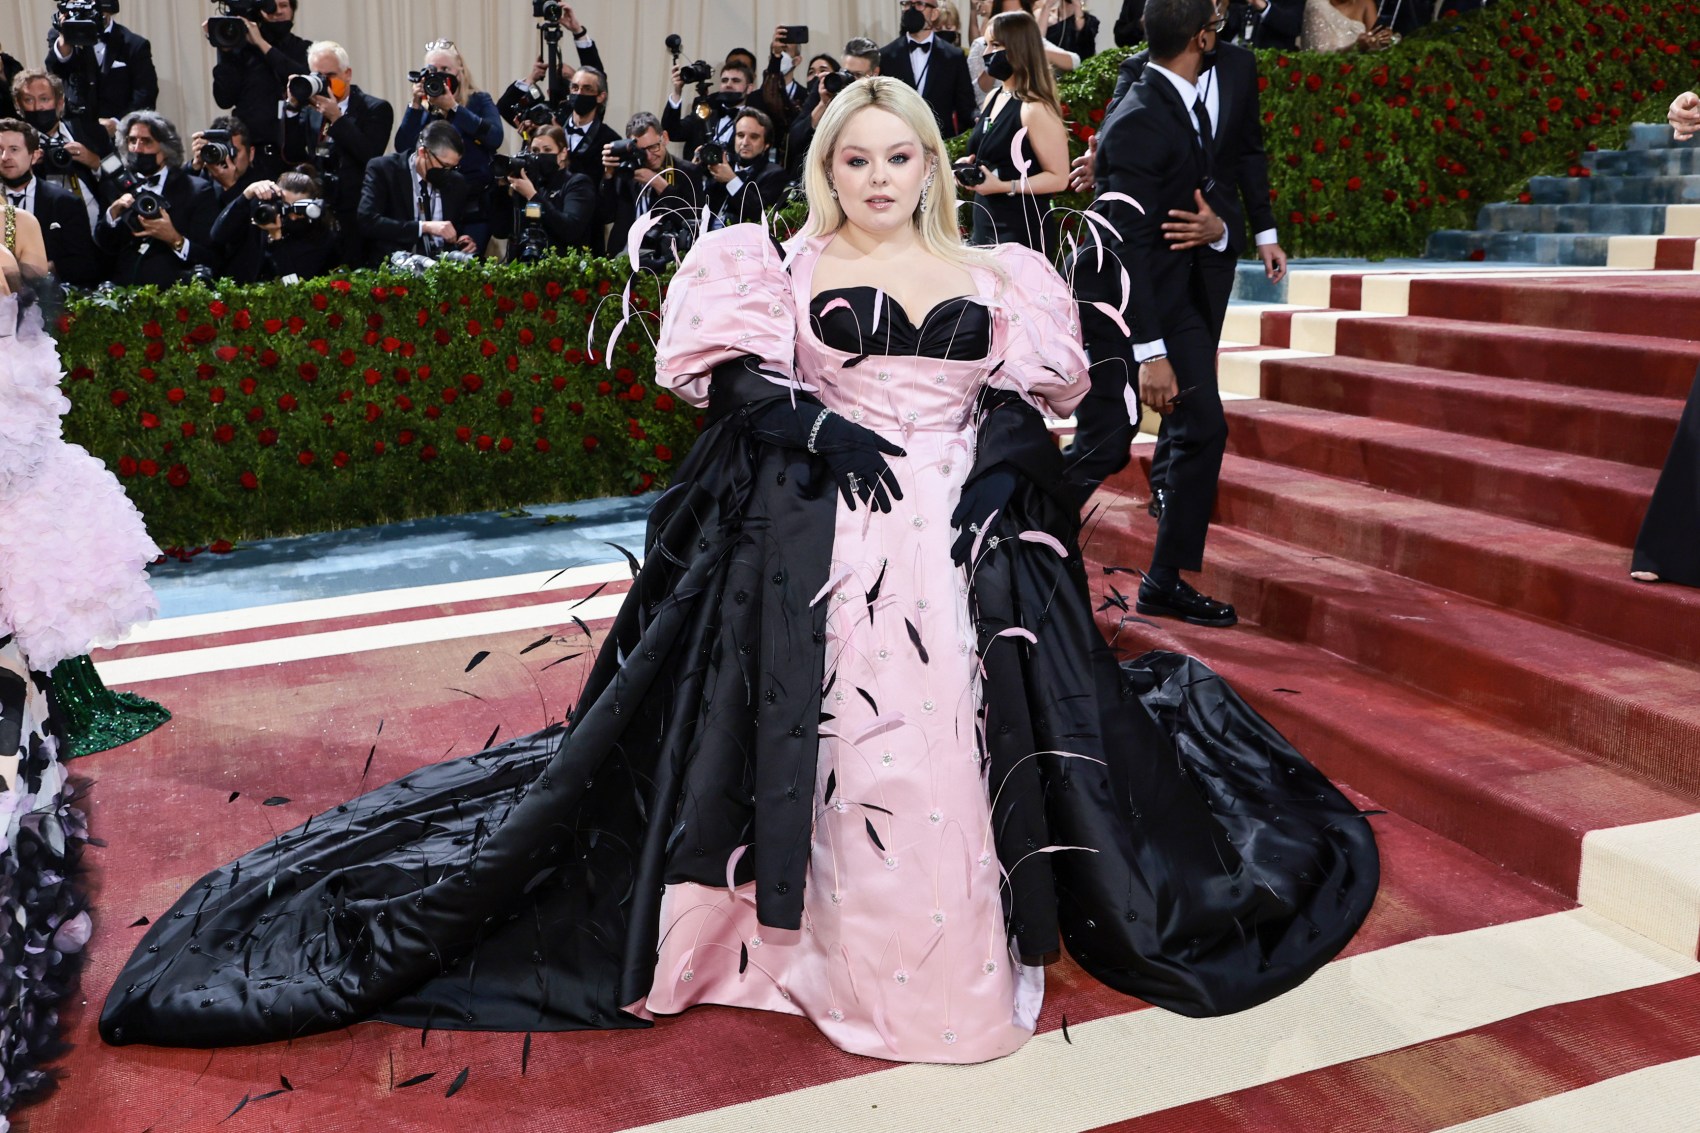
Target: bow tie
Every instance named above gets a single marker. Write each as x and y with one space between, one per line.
923 48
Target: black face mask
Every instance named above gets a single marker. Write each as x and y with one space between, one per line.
725 99
439 178
1208 61
146 164
273 31
17 182
584 104
948 36
45 121
998 65
912 21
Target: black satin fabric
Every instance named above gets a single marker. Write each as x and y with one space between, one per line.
519 888
1669 542
959 328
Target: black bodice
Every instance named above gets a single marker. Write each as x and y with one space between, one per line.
958 329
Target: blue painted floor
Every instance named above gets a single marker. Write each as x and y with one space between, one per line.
420 552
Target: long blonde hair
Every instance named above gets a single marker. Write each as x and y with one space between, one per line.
935 219
466 85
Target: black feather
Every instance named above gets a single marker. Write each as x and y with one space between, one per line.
525 1055
492 738
631 559
743 958
874 592
417 1079
234 795
140 923
915 639
240 1106
1066 1039
558 660
579 622
538 644
275 800
856 361
831 785
593 593
460 1080
874 834
285 1082
865 696
477 660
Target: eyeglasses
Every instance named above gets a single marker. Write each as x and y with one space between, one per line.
1218 25
933 4
441 45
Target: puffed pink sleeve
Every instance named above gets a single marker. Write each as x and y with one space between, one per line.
730 297
1043 359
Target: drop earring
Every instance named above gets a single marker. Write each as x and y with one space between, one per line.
926 193
831 188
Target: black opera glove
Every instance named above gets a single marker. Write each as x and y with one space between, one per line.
987 493
855 455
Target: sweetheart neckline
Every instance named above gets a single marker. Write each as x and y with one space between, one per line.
891 302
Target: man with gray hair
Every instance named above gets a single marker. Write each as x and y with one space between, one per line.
340 129
159 229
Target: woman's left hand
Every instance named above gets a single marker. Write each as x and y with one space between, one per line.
994 186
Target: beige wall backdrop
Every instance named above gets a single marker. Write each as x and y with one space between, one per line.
385 39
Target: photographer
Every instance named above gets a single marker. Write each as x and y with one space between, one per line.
110 77
415 200
861 59
588 56
71 151
586 131
443 91
160 227
249 76
290 242
691 131
743 183
639 177
10 69
64 225
223 155
339 129
566 201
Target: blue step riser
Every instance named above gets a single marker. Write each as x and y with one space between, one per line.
1604 220
1575 250
1606 190
1643 163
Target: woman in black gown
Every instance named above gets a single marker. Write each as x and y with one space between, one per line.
1019 139
1143 817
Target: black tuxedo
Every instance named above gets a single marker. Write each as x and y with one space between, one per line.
70 241
1280 25
249 83
305 255
126 81
347 148
761 187
9 68
682 196
192 207
237 244
569 204
1150 151
89 186
584 154
1130 25
948 89
690 131
389 206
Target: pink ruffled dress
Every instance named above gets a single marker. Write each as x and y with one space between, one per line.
903 950
73 560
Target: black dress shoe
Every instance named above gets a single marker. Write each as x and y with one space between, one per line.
1179 600
1159 502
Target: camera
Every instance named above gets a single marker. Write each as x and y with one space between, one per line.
626 149
295 216
228 32
81 21
969 174
536 166
303 89
148 205
524 104
532 243
216 148
57 157
711 153
434 81
834 81
549 11
698 72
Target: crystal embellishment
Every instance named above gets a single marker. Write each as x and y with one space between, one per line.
687 976
887 758
917 523
835 1015
991 966
901 975
755 942
928 706
949 1037
890 863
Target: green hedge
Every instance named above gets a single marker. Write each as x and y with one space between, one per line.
1370 153
276 408
271 409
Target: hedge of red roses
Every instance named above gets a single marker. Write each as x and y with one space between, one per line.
1370 153
270 409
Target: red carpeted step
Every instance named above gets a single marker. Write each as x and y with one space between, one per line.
1620 363
1653 304
1597 498
1567 579
1608 425
1518 800
1617 705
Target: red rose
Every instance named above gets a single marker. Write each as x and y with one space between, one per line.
506 444
247 386
273 326
474 328
341 286
429 452
373 412
552 289
1316 185
320 302
149 467
154 351
463 434
226 354
405 437
391 344
1313 83
119 397
662 452
305 458
267 438
440 337
126 466
575 406
472 383
243 319
485 443
268 357
573 357
373 377
308 372
378 447
590 444
433 411
347 357
635 429
217 309
116 350
664 402
403 402
505 398
449 395
152 329
604 388
340 460
205 372
537 415
1389 195
541 444
250 481
580 295
187 428
558 384
177 476
287 403
150 421
334 320
527 336
529 300
224 434
221 546
487 348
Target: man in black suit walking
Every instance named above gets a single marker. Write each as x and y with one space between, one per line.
1157 149
64 223
110 79
416 202
340 132
935 67
161 249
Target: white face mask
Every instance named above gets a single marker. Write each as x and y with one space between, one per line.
786 63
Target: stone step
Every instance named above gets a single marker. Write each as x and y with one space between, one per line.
1567 249
1603 220
1643 163
1615 190
1653 136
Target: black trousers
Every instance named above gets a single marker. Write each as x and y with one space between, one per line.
1669 543
1217 271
